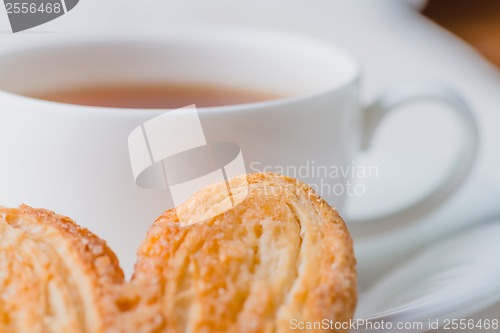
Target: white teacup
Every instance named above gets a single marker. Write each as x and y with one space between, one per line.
75 160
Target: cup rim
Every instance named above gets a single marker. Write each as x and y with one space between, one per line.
275 102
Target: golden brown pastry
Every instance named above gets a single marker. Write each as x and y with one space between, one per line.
281 257
54 275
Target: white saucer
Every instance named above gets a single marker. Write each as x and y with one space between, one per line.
476 203
455 278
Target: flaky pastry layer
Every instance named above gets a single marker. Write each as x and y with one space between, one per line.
282 255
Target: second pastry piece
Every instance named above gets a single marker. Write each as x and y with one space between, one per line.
280 258
55 277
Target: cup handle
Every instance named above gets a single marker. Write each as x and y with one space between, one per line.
389 102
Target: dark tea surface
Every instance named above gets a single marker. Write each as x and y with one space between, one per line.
156 96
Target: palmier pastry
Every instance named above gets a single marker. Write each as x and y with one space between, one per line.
278 260
54 275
